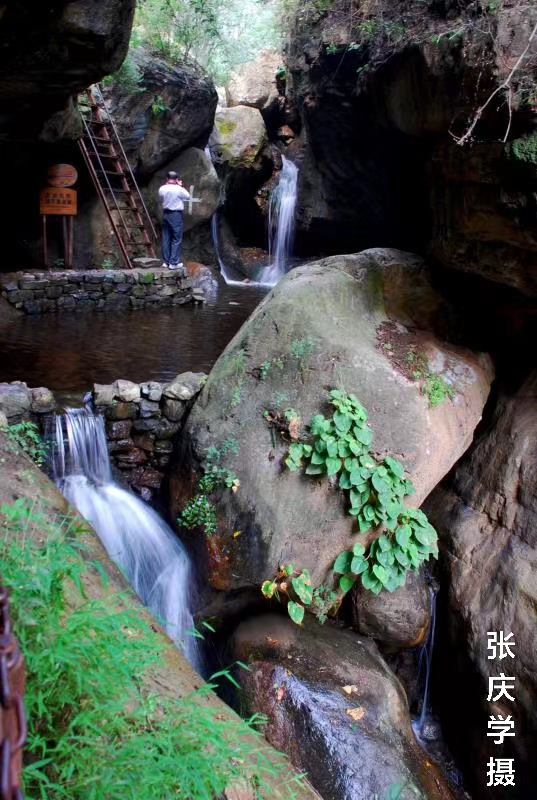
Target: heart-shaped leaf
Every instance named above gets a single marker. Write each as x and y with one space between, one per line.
345 583
342 563
333 465
295 611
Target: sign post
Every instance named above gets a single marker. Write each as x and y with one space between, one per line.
56 199
192 199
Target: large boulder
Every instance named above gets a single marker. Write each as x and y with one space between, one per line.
15 400
172 109
238 137
252 83
50 52
325 325
73 43
244 161
487 520
400 619
335 709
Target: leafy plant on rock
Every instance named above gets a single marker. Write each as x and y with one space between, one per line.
435 387
26 436
200 512
375 491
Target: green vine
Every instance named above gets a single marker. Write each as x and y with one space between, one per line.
375 491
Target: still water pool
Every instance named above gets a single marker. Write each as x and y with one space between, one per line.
67 353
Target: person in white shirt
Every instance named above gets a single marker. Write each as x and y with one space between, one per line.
171 196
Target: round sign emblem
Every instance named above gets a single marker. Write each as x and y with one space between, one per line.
61 175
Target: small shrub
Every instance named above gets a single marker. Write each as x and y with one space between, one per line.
437 389
200 512
159 106
434 386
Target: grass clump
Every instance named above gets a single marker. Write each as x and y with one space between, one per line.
94 730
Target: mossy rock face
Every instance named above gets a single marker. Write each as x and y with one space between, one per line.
238 136
524 150
225 127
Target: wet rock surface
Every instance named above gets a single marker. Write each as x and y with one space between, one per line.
335 708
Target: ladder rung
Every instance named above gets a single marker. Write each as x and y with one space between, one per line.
110 172
106 139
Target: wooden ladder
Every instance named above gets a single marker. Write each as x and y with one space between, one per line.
112 175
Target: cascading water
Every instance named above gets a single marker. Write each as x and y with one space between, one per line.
281 223
424 669
281 229
135 537
229 275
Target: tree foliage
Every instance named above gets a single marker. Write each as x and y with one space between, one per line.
218 34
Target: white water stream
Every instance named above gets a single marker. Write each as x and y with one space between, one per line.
281 223
421 724
281 231
135 537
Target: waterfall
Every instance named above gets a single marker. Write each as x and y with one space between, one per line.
281 229
229 275
424 667
135 537
281 223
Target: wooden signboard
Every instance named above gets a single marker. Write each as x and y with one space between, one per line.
57 201
60 175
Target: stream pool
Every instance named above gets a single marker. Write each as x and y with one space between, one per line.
69 352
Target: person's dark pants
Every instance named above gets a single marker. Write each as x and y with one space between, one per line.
172 236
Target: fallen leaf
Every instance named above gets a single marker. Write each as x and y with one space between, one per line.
350 689
355 713
294 428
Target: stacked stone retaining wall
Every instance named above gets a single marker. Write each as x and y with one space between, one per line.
101 290
142 422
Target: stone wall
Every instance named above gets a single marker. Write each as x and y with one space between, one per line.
101 290
141 422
